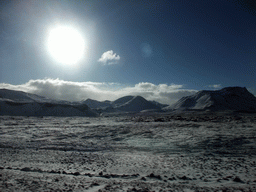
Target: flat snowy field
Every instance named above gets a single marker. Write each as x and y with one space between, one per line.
203 152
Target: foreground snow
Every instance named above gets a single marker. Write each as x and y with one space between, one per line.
203 152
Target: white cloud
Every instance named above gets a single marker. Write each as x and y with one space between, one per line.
109 58
77 91
216 86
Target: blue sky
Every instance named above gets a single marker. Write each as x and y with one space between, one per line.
185 45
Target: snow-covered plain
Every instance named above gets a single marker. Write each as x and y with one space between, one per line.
161 152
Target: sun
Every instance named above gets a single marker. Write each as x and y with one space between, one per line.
65 44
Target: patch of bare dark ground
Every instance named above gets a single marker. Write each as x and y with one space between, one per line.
167 152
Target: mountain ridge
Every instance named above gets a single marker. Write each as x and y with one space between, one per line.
127 103
229 98
19 103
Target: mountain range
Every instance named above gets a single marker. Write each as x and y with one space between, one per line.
27 104
126 103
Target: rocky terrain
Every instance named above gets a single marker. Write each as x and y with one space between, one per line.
204 142
187 152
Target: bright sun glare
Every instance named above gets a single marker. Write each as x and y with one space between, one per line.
66 45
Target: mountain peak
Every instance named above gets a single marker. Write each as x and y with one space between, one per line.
137 103
229 98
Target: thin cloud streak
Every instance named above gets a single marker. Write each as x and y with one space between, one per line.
216 86
77 91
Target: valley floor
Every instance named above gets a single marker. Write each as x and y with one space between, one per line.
191 152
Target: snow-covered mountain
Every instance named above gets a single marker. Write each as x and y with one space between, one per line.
26 104
122 101
230 98
124 104
137 103
21 96
94 104
21 103
159 104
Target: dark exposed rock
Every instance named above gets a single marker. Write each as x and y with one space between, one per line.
88 174
184 178
95 184
237 179
124 176
107 176
160 120
76 173
155 176
26 169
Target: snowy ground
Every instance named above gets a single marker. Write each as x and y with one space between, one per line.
203 152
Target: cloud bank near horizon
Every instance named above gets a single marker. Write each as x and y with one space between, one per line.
77 91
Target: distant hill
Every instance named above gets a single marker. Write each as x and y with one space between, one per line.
229 98
121 101
137 103
25 104
94 104
124 104
21 96
158 104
